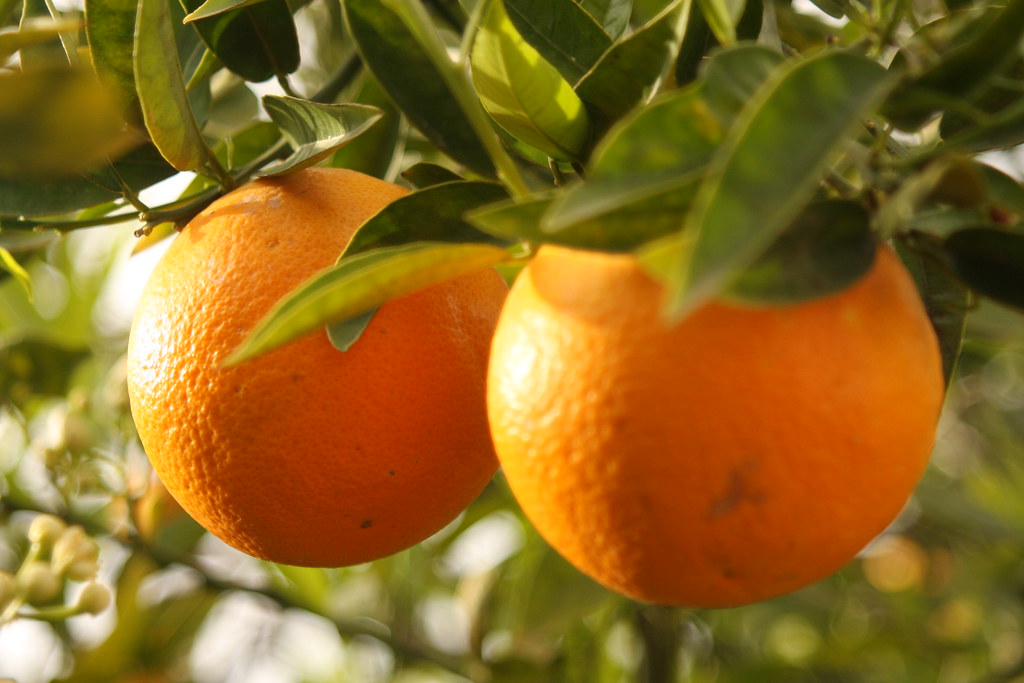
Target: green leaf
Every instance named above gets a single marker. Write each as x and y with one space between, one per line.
433 214
424 174
315 130
515 219
991 262
722 17
405 71
767 168
525 94
994 119
110 30
612 15
629 72
562 32
231 110
734 75
212 8
963 70
55 123
11 265
360 283
256 42
161 89
1004 191
33 32
140 168
825 250
643 176
945 298
344 334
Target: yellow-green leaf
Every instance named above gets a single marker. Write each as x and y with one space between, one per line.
523 93
360 283
8 263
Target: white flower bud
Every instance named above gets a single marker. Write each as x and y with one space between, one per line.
94 598
38 584
75 555
45 530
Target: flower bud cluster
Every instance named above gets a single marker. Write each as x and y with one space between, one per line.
57 554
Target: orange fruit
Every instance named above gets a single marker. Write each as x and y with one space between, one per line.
735 456
307 455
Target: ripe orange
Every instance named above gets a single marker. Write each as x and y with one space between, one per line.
307 455
738 455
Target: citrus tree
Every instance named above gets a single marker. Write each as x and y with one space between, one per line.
753 246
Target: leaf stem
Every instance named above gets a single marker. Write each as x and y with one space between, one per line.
454 73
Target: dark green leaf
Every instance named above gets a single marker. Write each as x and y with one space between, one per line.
55 123
994 120
733 76
623 214
769 166
433 214
946 299
612 15
315 130
630 70
962 71
825 250
425 174
406 73
698 41
523 93
256 42
643 176
361 283
139 169
991 262
562 32
344 334
161 88
110 29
